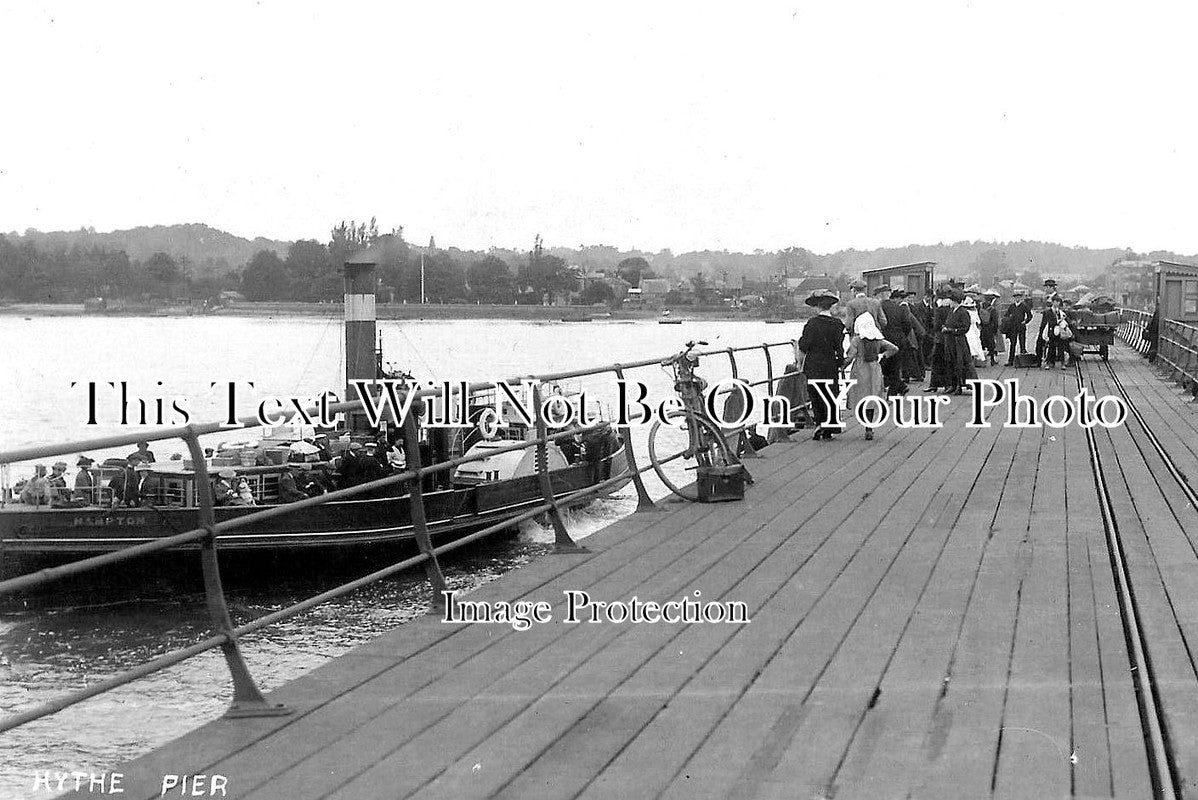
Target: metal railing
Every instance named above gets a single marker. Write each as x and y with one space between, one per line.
1174 350
247 698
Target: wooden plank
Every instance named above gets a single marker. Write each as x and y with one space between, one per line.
888 753
1035 752
411 649
434 706
560 704
753 735
702 695
963 743
850 691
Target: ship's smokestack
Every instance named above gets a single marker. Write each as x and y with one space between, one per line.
360 362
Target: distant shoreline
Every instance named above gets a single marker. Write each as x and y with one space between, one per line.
385 311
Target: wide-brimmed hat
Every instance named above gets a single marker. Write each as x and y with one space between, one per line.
1049 282
992 293
973 287
821 297
885 287
896 294
227 473
84 461
969 302
355 446
856 283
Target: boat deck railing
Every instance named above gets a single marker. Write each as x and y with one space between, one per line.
1175 350
248 700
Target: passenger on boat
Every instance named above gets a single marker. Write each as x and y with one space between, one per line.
58 483
244 496
349 472
288 491
322 442
144 487
316 483
124 484
222 487
143 452
37 489
371 466
85 481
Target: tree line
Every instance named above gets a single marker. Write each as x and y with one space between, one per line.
56 274
308 271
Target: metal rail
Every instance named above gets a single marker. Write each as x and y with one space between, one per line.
1174 349
247 698
1147 697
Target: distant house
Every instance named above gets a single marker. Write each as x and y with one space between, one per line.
653 291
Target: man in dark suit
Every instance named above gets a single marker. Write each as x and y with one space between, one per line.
897 331
925 311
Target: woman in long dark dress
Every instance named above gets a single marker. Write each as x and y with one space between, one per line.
958 356
822 345
941 376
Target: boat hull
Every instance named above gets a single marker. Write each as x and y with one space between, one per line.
373 519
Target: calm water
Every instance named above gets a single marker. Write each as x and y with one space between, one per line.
79 634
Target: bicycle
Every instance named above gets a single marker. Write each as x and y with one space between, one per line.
706 443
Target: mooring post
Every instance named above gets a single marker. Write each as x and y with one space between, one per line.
247 698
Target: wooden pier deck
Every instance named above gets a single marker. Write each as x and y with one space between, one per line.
934 615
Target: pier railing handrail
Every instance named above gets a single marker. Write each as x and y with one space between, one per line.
1174 349
247 698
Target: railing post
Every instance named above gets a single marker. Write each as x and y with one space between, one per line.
643 501
247 698
432 568
743 445
769 370
562 543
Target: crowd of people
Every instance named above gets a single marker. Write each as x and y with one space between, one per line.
887 339
131 481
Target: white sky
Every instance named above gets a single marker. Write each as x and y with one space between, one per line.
649 124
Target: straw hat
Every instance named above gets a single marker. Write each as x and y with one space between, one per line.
227 473
885 287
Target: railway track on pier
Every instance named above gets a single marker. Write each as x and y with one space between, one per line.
1152 705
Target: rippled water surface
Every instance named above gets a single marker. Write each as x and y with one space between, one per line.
82 632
